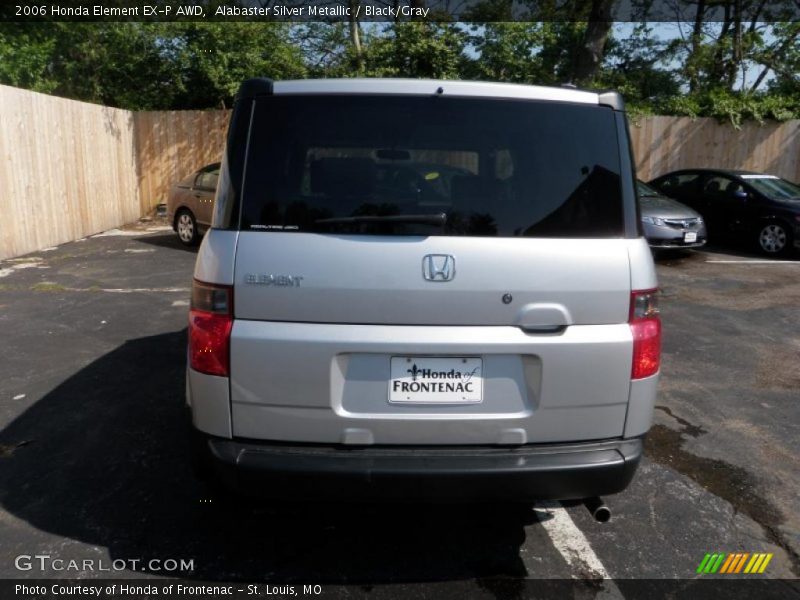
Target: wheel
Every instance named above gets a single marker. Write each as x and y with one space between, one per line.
774 238
186 227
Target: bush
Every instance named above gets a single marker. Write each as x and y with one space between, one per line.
733 107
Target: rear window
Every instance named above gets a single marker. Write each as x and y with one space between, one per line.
677 184
381 164
773 187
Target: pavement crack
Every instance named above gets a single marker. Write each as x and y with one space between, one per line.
688 428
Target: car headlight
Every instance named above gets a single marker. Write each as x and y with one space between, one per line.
653 220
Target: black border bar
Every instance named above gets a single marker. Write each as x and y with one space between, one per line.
472 11
744 587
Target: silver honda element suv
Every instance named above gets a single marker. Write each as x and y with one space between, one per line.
424 289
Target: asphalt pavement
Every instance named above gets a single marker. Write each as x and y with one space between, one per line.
93 461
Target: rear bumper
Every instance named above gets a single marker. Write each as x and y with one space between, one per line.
524 473
676 244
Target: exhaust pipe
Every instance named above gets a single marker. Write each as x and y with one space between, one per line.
598 509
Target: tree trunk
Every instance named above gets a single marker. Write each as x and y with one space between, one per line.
737 57
697 36
592 48
355 36
719 69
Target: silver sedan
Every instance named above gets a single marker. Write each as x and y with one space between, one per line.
667 223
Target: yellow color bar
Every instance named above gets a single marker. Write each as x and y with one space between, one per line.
752 566
765 563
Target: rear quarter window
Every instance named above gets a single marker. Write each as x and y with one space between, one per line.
682 184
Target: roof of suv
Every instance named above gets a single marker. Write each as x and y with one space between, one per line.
429 87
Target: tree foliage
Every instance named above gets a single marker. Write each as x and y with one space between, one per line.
417 49
732 67
146 66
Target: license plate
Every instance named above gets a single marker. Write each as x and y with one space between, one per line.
436 380
690 236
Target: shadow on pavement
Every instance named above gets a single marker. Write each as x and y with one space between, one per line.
102 459
741 250
676 257
166 240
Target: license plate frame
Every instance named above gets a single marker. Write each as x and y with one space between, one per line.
690 237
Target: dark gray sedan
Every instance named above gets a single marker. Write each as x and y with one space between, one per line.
667 223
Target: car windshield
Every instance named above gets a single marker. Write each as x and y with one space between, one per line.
493 167
645 190
773 187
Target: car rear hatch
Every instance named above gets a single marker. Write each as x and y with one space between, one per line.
431 270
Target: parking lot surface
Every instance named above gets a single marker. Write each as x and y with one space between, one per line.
93 461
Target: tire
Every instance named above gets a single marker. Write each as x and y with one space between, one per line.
774 238
186 227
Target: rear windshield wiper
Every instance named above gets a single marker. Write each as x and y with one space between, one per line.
437 219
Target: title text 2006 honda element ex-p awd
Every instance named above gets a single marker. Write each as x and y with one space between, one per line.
424 289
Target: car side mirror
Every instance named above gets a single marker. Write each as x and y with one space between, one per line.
741 195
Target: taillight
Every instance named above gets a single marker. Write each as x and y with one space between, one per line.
210 323
646 328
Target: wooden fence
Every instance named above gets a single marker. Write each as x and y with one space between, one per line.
70 169
67 170
177 143
663 144
173 144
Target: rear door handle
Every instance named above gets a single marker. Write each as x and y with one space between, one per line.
543 317
543 328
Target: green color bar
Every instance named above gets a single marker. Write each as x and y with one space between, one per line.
718 563
711 562
703 563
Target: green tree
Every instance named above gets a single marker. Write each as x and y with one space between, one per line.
25 51
416 49
117 64
635 66
507 52
324 47
781 58
736 63
212 59
146 65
